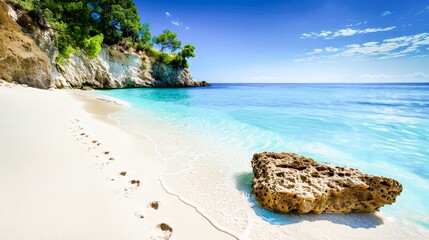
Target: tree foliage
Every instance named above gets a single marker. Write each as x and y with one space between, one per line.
115 19
187 52
167 40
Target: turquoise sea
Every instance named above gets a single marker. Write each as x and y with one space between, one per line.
207 136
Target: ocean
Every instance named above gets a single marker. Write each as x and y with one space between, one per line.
207 136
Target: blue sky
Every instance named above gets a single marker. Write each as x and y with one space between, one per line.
299 40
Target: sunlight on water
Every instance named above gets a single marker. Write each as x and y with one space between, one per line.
207 136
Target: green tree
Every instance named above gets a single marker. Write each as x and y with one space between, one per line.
167 40
188 51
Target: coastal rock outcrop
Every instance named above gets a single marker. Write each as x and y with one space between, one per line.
288 182
113 68
28 53
168 76
21 59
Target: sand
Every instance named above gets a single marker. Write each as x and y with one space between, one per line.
67 172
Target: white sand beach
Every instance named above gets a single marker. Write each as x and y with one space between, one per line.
60 174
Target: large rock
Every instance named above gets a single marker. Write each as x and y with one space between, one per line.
288 182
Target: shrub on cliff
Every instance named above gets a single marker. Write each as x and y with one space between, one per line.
27 4
92 45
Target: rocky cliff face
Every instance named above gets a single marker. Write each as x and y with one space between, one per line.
288 182
28 52
21 59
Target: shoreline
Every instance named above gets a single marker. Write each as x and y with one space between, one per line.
92 104
58 182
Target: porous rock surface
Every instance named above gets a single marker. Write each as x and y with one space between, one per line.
288 182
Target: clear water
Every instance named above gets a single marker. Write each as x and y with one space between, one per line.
207 136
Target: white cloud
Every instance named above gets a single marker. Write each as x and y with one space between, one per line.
323 34
306 35
388 48
356 24
344 32
417 75
375 76
305 60
373 30
331 49
386 13
176 22
315 51
421 56
321 50
381 76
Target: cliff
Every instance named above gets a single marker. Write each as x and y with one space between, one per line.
28 49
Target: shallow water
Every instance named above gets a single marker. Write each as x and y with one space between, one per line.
207 136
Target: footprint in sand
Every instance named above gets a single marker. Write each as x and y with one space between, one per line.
154 205
140 213
161 232
94 145
106 162
132 186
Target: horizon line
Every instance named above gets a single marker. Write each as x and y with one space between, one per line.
319 82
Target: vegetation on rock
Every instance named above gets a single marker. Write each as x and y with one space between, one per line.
87 24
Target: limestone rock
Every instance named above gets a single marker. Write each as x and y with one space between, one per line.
111 69
288 182
169 76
